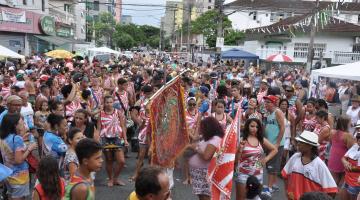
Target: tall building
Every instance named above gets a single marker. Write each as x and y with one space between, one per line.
169 19
126 19
118 11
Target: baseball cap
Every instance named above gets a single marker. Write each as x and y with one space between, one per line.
271 98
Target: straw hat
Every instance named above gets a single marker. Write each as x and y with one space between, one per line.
308 137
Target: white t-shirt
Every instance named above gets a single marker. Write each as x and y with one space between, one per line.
28 114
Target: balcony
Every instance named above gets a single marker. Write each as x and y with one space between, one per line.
62 16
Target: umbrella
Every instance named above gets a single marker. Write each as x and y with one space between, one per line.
279 58
59 54
7 53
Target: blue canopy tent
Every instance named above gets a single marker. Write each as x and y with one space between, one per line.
238 54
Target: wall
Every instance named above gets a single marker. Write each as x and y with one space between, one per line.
242 20
34 6
13 41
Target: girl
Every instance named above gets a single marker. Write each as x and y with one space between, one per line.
351 161
49 184
14 153
40 121
113 139
82 121
323 131
309 121
220 114
252 111
250 157
305 171
341 140
71 162
212 133
289 133
53 144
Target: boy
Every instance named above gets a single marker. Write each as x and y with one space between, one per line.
81 186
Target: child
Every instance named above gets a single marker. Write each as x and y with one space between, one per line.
71 162
49 184
253 188
81 186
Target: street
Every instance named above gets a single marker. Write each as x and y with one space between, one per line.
180 191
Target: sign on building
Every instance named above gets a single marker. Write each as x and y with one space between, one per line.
219 42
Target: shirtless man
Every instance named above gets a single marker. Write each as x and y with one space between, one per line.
30 86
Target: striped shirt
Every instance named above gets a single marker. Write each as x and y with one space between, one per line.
110 124
249 163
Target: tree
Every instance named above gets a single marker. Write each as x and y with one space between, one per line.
232 37
206 24
103 28
123 40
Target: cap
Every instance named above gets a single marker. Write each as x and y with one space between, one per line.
271 98
44 77
12 68
264 81
147 88
213 75
204 90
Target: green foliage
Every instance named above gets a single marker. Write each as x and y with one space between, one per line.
103 28
123 40
206 24
232 37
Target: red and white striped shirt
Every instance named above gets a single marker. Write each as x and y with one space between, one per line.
5 92
322 147
249 163
191 120
70 109
110 124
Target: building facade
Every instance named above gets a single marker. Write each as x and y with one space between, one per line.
126 19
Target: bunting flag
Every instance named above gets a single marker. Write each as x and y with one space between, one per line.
167 117
221 168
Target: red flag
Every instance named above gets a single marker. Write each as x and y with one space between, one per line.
221 168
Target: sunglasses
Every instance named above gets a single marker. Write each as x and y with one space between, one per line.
192 104
289 91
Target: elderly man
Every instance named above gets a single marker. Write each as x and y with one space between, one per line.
13 104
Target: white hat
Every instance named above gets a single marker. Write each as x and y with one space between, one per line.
11 68
357 124
308 138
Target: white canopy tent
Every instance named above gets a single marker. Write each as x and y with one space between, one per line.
7 53
349 71
103 50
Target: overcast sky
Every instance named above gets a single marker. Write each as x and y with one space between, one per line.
150 15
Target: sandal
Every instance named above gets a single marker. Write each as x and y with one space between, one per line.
119 182
110 183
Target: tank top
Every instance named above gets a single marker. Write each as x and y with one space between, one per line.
222 122
309 124
337 151
41 191
287 133
272 128
110 124
249 162
322 147
76 180
292 104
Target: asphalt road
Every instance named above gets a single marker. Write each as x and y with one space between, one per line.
180 191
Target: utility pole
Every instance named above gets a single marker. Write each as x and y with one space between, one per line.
174 31
220 6
188 29
311 52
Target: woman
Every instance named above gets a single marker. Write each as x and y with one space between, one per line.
252 111
290 128
351 161
250 156
212 133
323 131
53 144
309 121
113 138
82 122
353 112
14 153
49 184
322 105
71 161
305 171
341 140
40 121
220 114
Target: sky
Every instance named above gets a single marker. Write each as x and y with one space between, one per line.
151 15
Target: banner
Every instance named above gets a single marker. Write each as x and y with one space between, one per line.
10 16
167 118
221 168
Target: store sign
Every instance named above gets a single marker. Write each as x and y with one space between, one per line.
11 20
47 25
9 16
64 32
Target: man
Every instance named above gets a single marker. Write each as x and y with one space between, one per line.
43 96
27 111
5 87
30 86
274 132
295 104
152 183
14 104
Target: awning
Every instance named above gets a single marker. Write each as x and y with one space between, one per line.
58 41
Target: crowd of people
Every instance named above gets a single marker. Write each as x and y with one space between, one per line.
62 118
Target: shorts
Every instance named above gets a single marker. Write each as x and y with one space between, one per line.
353 190
112 144
274 165
242 178
18 191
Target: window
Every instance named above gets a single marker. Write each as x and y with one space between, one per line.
254 15
96 5
209 7
66 7
209 1
96 18
358 18
301 50
25 2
